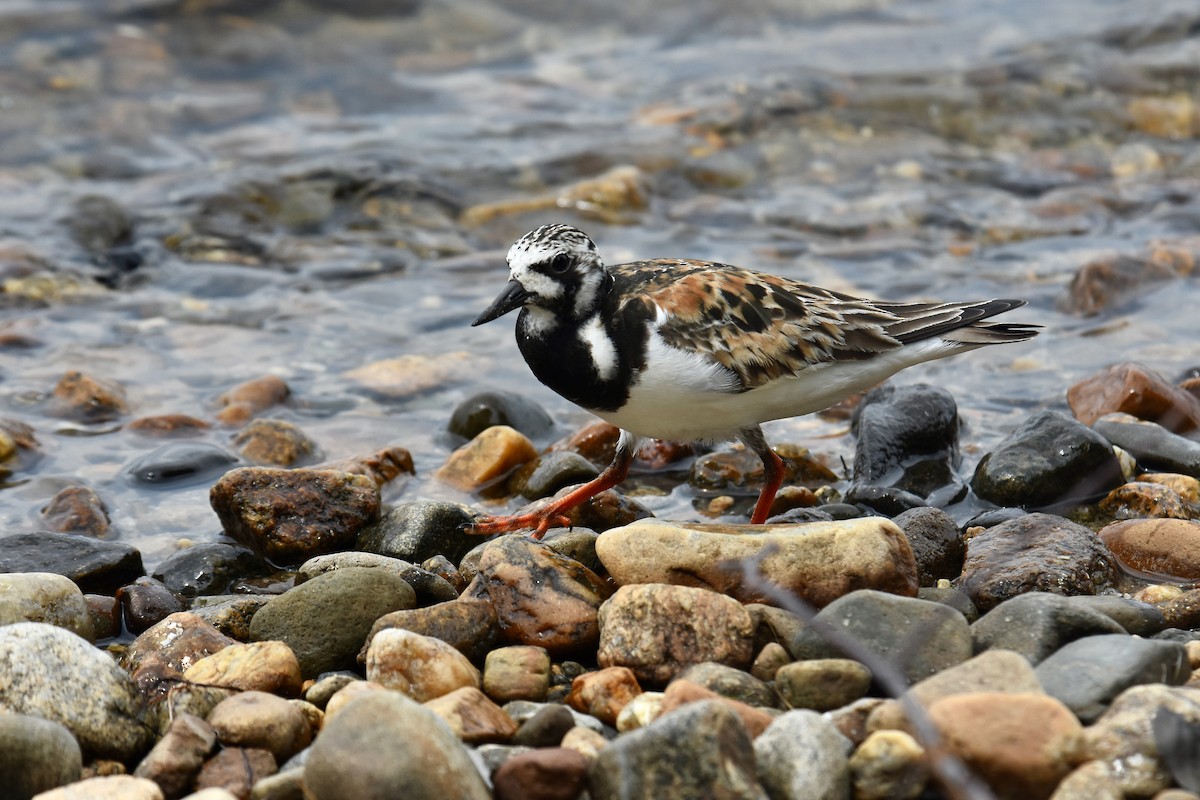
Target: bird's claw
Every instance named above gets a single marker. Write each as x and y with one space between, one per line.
539 522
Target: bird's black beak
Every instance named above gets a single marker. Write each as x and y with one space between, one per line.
513 297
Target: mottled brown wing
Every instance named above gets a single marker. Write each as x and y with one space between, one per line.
762 327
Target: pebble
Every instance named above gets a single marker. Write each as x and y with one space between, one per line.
487 458
106 787
917 637
86 398
162 425
733 683
1151 444
700 750
428 587
1165 549
146 602
603 693
419 666
681 692
906 438
245 400
326 620
44 597
390 761
274 442
817 561
230 614
546 728
1137 618
549 472
381 466
639 712
1187 487
1130 388
77 509
802 755
1049 459
410 375
822 684
177 757
1138 499
179 464
468 624
290 515
36 755
483 410
542 598
206 568
473 717
1035 552
578 544
1029 745
95 566
419 530
520 672
1183 610
1037 624
1087 674
235 769
888 765
1092 780
168 649
658 631
56 675
254 719
936 542
585 741
553 773
770 658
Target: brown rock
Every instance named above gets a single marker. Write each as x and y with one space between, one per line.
1092 780
1187 487
472 716
817 561
380 466
1022 745
288 516
851 720
1133 389
167 425
236 770
1111 279
822 684
261 666
487 458
604 693
585 741
1171 117
419 666
1143 499
659 630
161 655
86 398
257 719
1169 548
275 442
146 602
768 661
247 399
552 773
349 693
106 787
1182 611
521 672
596 441
407 376
178 755
105 614
466 624
77 509
680 692
542 598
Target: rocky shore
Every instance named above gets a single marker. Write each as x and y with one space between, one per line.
1033 623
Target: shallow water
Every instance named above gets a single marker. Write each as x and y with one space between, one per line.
310 192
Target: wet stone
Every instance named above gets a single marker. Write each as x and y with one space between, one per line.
414 374
521 672
86 398
1089 673
936 542
1035 552
105 615
274 442
817 561
36 755
468 625
146 602
741 471
1050 459
419 530
889 765
1037 624
658 631
578 544
230 614
257 666
235 769
542 598
98 223
699 750
44 597
906 438
1138 499
487 458
421 667
917 637
95 566
546 474
206 569
473 717
822 684
56 675
428 587
733 683
801 754
1185 486
325 621
444 568
167 425
176 759
1182 611
165 651
180 464
1166 548
288 516
1137 618
1152 445
77 509
382 466
483 410
390 762
1103 282
1132 389
245 400
554 773
606 510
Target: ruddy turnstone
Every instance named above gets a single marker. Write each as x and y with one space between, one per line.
686 350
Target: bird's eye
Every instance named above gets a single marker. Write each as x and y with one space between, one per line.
560 263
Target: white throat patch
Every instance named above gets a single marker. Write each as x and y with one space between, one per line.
604 353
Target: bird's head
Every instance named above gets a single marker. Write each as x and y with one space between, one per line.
555 270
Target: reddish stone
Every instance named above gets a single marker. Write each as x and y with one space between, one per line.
1133 389
604 693
680 692
1163 547
550 773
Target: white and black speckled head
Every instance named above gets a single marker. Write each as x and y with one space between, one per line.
555 274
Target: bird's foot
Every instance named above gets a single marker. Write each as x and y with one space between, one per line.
538 522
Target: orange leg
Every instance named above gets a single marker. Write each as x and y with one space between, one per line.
554 513
773 472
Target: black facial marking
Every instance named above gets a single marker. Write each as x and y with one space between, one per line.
560 263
